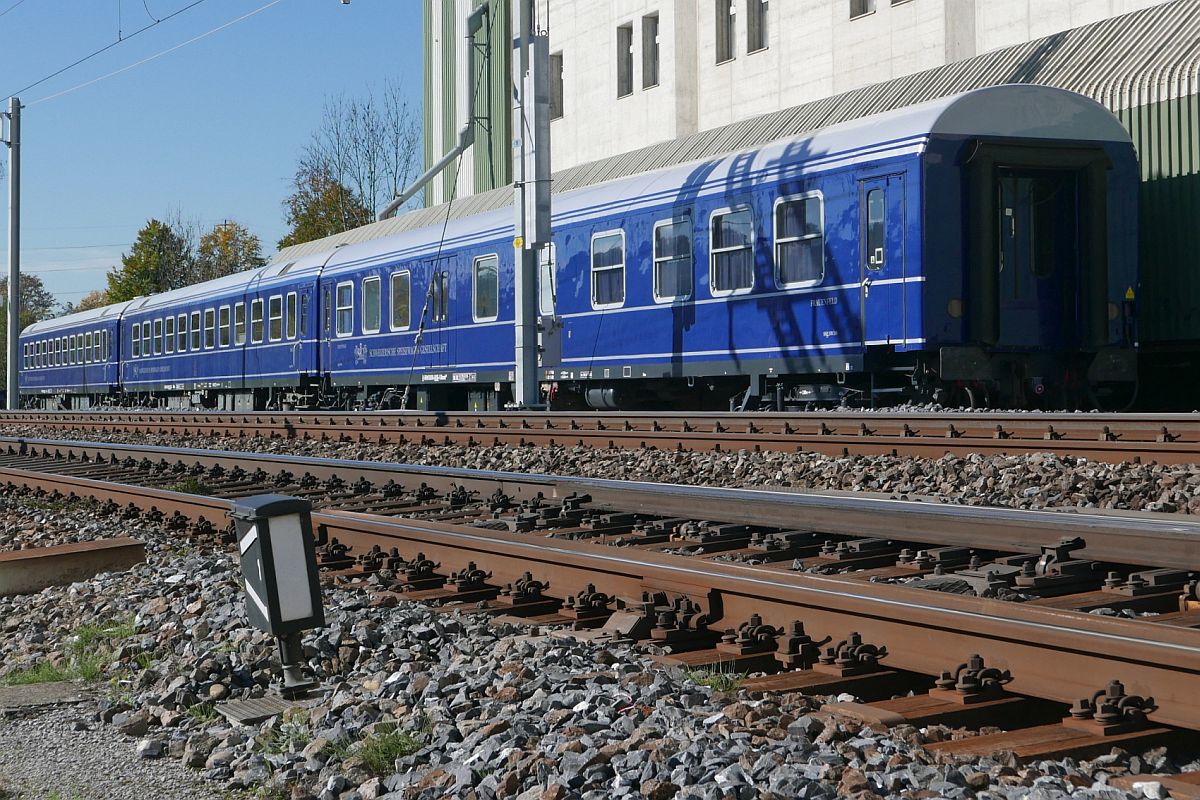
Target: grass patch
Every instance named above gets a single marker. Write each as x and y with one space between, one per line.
89 648
380 750
291 735
203 712
719 679
191 485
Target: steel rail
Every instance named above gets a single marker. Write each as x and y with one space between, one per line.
1053 654
1165 438
1140 538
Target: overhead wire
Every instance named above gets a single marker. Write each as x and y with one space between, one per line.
104 49
10 8
161 53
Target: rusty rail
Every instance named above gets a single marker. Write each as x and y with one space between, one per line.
1052 653
1166 438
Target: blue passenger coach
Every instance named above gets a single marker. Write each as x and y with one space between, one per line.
978 248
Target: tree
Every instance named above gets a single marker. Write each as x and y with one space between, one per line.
160 259
94 299
364 153
321 206
228 248
37 304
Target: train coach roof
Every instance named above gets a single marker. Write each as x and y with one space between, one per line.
1123 62
1007 112
79 318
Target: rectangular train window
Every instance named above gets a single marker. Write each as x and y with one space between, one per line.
25 356
137 342
210 329
195 330
372 312
303 313
97 351
239 324
224 325
70 350
673 260
290 326
181 333
439 290
800 241
876 229
169 335
345 308
87 347
731 268
256 321
547 275
485 288
608 269
146 338
275 318
158 333
60 347
401 299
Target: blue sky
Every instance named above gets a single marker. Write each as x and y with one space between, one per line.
212 129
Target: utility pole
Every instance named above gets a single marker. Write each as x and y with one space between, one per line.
531 186
14 249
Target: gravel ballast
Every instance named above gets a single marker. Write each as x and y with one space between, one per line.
418 704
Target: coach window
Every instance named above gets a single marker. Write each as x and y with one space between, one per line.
400 299
608 269
547 278
158 333
181 333
673 260
290 319
731 267
799 241
239 324
146 338
256 321
210 328
104 350
345 308
441 296
876 229
137 342
25 356
97 351
303 314
371 305
275 318
60 350
224 326
194 327
87 347
70 350
485 289
169 335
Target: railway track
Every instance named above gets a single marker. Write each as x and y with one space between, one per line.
1164 438
826 593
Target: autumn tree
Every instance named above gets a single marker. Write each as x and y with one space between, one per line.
160 259
37 304
365 151
93 299
228 248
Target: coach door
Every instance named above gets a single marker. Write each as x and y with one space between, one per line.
881 247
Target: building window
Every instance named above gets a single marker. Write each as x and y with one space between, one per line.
756 26
290 324
547 290
239 324
860 8
195 330
556 85
732 262
372 313
608 269
256 321
624 60
725 30
439 291
401 300
673 260
485 289
210 328
169 335
799 241
181 333
345 308
649 51
275 317
224 325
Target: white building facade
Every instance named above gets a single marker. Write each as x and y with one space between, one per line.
630 73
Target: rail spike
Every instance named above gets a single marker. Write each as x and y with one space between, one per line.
1110 711
972 682
851 656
